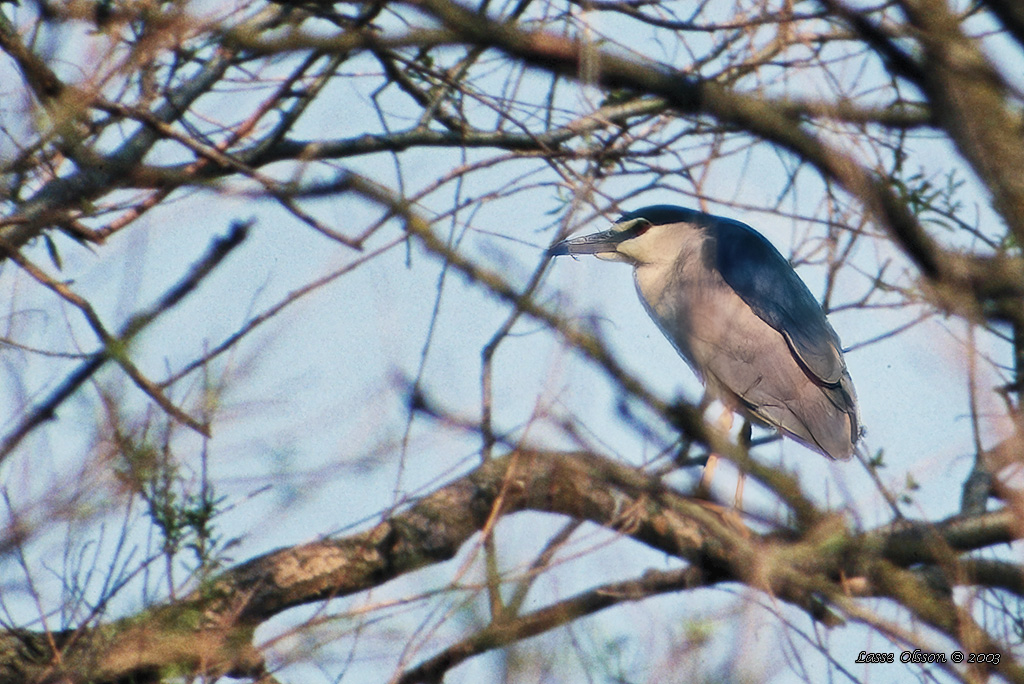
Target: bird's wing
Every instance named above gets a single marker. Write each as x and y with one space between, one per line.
763 278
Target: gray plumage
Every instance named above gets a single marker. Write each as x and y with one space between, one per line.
741 317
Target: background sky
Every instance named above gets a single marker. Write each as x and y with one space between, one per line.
313 436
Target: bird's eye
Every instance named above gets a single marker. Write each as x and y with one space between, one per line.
633 228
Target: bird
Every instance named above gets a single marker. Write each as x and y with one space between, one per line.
742 319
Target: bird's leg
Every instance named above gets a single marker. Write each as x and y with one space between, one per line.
725 423
731 516
707 474
734 516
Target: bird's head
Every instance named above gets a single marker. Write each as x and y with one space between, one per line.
637 237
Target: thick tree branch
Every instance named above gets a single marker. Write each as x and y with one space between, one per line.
804 571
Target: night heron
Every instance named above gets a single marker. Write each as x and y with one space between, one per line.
740 316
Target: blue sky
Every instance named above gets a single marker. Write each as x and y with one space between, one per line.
308 439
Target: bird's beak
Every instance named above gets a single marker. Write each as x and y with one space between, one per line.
598 243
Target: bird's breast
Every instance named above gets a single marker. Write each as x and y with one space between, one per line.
689 303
